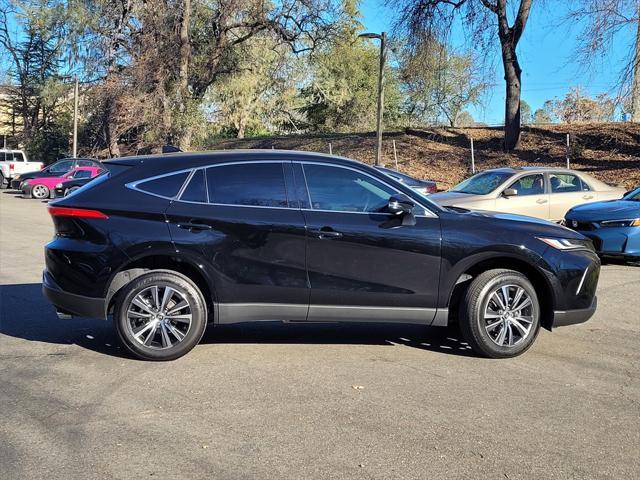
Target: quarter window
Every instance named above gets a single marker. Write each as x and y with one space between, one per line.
86 163
529 185
82 174
250 184
166 186
345 190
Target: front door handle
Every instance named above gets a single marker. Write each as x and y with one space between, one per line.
194 227
326 233
587 197
540 201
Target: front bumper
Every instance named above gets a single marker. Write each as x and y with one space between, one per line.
26 191
571 317
15 184
71 303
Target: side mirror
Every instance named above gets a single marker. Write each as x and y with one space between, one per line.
510 192
400 204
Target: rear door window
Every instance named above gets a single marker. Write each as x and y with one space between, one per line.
18 157
82 174
566 182
196 190
166 186
248 184
86 163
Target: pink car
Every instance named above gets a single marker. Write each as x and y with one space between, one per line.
45 187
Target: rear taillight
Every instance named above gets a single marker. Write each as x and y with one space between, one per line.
76 213
432 189
41 166
11 167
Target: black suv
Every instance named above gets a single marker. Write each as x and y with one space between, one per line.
169 243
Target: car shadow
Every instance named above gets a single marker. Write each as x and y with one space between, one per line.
26 314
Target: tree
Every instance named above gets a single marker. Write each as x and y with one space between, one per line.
426 19
38 93
605 21
578 107
341 92
262 95
464 119
541 117
438 83
525 113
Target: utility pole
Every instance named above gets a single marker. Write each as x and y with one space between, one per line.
75 120
383 59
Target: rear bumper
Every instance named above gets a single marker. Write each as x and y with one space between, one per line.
571 317
78 305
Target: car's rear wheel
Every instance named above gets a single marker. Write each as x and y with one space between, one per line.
500 314
40 191
3 181
160 315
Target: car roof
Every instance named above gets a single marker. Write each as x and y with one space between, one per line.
193 159
515 170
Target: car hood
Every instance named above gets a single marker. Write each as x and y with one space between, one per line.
454 198
610 210
530 225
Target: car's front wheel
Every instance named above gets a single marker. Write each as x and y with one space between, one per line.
500 314
40 191
160 315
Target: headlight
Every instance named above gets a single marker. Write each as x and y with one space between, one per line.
59 185
631 222
567 243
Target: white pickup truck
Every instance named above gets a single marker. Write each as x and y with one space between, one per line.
13 163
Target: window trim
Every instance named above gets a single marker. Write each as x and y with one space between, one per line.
428 213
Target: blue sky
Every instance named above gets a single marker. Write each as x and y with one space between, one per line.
545 57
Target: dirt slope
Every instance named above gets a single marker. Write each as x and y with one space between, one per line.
611 152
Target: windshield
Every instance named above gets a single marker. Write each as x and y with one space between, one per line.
634 196
482 183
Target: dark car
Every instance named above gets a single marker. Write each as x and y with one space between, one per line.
425 187
54 170
613 226
63 189
168 243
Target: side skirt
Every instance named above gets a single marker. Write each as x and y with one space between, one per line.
229 313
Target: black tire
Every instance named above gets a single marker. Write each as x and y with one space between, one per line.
69 191
4 181
479 302
161 279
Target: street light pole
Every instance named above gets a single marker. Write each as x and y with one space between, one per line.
75 120
383 59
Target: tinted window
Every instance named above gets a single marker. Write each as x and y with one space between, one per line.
167 186
482 183
196 189
341 189
86 163
18 157
61 167
259 184
529 185
82 174
566 182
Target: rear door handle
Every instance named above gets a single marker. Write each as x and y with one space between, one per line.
194 227
540 201
326 233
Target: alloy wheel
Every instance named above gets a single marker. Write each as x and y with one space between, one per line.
159 317
508 316
39 191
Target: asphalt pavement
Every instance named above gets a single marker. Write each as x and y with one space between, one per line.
278 401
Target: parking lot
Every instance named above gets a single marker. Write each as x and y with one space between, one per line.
309 401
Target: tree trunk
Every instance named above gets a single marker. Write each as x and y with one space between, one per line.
635 89
512 77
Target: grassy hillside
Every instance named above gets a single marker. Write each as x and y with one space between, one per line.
611 152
